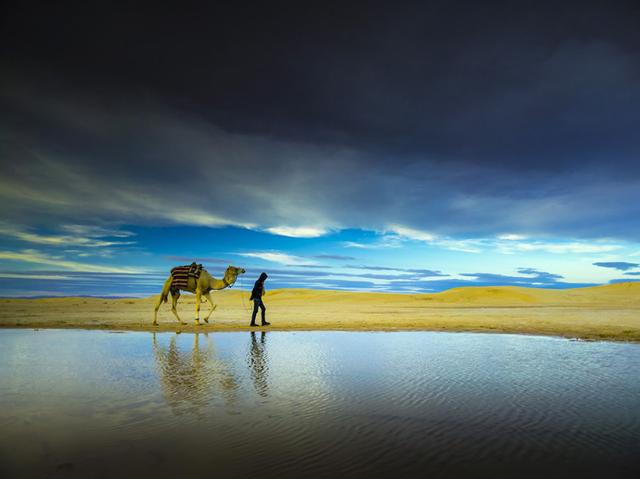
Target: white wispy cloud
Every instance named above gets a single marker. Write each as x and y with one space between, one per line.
511 237
298 231
462 245
87 195
36 257
89 241
355 244
129 202
93 231
557 247
506 244
384 241
53 277
282 258
412 233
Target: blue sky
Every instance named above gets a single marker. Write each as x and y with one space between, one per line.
131 260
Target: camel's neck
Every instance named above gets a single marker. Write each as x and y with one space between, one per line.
220 283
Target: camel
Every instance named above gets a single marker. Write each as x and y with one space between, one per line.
202 286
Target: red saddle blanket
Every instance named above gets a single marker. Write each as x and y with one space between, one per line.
180 275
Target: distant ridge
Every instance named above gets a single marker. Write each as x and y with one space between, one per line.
624 293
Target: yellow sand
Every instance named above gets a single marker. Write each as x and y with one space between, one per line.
603 312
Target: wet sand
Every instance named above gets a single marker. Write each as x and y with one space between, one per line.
610 312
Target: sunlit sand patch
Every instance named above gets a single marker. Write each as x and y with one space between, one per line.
603 312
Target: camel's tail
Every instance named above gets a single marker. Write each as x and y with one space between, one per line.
165 290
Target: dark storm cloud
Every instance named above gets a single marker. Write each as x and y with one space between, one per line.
619 265
459 77
462 118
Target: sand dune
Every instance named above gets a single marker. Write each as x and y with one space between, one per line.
603 312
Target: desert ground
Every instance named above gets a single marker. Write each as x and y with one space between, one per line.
610 312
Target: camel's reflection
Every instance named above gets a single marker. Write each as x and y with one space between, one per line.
258 363
190 381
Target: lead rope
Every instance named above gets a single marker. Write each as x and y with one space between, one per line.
242 296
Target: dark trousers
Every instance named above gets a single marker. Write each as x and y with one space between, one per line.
257 303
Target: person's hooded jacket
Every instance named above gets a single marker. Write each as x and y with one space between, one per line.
258 289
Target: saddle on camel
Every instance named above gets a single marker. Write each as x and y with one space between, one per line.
180 276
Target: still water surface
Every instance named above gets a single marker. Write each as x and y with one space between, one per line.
316 404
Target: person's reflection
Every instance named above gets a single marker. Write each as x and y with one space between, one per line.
258 363
187 379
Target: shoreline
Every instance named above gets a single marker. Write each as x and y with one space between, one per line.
212 329
602 313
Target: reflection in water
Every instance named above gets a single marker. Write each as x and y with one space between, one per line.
258 363
189 379
316 404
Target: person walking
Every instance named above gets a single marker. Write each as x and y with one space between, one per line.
256 296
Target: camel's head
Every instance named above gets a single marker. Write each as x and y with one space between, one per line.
232 272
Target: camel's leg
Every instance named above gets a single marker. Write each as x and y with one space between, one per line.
161 299
174 302
155 311
198 299
212 307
